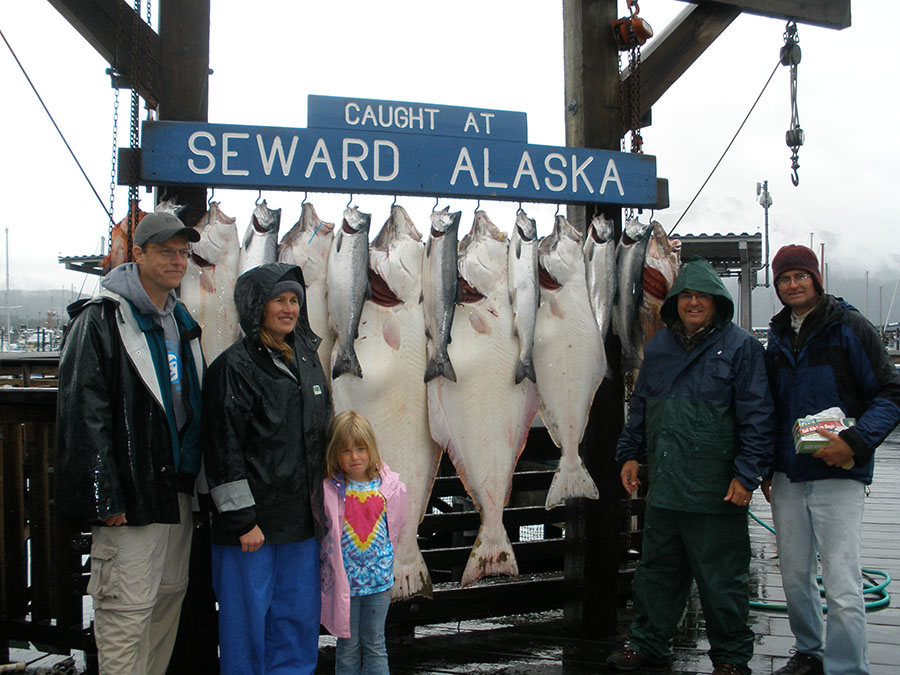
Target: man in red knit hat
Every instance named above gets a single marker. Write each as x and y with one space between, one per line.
822 353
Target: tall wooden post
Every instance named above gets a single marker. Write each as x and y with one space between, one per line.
593 119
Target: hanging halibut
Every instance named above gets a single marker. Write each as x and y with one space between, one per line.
600 259
439 290
524 293
260 245
630 254
661 264
307 245
569 358
348 288
483 418
208 285
391 351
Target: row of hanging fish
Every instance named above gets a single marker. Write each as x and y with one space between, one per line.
452 344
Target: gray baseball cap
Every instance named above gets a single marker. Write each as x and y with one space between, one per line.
160 227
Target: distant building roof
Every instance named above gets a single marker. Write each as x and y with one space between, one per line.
89 264
727 253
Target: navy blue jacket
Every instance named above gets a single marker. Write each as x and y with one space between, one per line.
838 360
701 417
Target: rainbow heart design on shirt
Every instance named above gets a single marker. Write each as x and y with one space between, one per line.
361 513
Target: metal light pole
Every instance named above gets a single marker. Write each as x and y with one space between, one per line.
765 200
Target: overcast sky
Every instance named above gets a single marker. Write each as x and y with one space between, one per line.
498 55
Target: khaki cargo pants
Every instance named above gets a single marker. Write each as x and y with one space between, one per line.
139 576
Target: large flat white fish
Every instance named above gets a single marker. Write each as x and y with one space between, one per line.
569 358
307 245
600 258
524 293
483 418
391 351
260 244
439 290
208 285
348 287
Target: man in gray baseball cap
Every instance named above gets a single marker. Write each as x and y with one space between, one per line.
128 451
160 227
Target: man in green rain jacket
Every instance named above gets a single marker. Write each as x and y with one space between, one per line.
702 417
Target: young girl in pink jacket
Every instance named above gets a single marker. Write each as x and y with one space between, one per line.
365 507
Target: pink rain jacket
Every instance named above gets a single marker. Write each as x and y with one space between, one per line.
335 586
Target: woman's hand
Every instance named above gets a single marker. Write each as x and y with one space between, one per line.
252 540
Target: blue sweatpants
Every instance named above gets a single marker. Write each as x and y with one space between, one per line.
269 607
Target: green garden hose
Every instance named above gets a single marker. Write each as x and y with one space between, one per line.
881 597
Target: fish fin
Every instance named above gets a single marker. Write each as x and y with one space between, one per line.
412 580
346 363
570 480
491 555
437 367
525 370
248 237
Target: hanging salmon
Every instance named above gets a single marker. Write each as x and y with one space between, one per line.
260 245
661 265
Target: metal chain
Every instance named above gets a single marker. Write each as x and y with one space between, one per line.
621 103
134 141
637 141
113 164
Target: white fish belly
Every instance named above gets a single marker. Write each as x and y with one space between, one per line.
570 362
483 420
211 302
391 350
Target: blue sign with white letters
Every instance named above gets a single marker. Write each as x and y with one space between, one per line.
360 114
352 160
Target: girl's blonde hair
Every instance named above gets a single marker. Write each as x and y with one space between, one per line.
350 428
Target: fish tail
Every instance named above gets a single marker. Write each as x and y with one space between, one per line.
570 480
490 556
346 362
439 365
525 369
412 579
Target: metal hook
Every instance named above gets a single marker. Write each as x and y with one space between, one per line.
478 205
557 211
435 207
350 201
212 193
258 198
394 203
520 208
795 179
304 199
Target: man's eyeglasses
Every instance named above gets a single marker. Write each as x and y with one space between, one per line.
172 253
786 280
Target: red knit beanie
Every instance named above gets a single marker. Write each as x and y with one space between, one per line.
796 257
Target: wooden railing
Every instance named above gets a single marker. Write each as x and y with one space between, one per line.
43 577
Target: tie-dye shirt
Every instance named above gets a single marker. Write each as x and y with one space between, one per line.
365 545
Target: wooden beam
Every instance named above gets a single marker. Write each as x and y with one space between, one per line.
675 49
825 13
108 26
184 89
